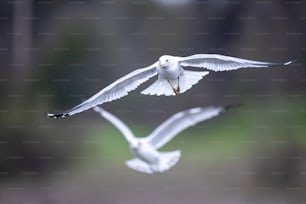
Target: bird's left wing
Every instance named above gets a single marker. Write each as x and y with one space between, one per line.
123 128
217 62
179 122
116 90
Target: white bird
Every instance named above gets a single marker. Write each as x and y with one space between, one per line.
172 78
147 157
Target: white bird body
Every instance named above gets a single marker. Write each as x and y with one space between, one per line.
147 157
145 152
168 68
172 79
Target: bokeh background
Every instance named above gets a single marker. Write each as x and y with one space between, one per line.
54 54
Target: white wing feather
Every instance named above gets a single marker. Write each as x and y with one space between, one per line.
116 90
124 129
179 122
217 62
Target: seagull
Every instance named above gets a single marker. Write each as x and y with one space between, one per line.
172 78
145 149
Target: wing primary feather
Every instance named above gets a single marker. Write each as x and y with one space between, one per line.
121 126
114 91
217 62
231 106
60 115
181 121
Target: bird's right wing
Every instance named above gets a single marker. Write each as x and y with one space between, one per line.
116 90
217 62
179 122
125 130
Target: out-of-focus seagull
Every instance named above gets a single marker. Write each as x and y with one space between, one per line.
172 78
147 157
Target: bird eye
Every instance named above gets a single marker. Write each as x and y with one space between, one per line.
166 60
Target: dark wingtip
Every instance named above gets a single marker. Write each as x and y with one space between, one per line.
290 62
281 64
230 106
60 115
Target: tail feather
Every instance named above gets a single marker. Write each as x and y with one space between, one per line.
186 81
139 165
159 87
166 161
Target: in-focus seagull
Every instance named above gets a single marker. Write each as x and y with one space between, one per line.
147 157
172 78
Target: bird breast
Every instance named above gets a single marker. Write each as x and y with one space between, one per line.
170 72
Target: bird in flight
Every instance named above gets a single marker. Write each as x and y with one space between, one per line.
172 78
145 149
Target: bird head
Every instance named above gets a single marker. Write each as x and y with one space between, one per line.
165 61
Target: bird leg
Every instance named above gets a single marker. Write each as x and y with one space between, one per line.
178 89
175 90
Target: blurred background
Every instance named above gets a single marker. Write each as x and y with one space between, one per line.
54 54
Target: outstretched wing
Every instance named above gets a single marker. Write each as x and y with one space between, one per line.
179 122
116 90
123 128
217 63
